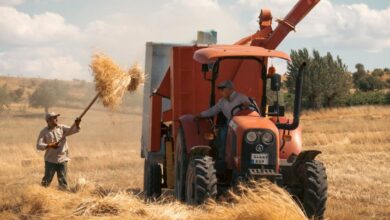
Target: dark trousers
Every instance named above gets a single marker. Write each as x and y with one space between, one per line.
51 169
221 142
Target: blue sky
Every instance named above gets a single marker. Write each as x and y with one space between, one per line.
56 38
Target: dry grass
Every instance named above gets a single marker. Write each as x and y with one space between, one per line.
355 143
111 82
106 171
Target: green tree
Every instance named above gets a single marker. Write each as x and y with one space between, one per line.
325 79
337 80
48 94
17 94
364 81
378 72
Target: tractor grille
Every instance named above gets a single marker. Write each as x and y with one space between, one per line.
249 150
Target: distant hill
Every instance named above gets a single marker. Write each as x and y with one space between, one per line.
79 92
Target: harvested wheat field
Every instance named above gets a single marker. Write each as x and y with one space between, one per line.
106 170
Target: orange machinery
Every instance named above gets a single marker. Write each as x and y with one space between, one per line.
178 149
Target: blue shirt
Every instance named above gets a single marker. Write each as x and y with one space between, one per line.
225 105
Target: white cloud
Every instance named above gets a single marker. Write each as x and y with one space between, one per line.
120 35
47 45
10 2
180 19
123 36
41 62
359 26
18 28
344 26
43 45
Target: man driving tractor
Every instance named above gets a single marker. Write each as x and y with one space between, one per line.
230 99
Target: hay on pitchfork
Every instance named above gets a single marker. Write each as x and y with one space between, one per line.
111 81
137 77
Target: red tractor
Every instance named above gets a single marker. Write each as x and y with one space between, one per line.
193 157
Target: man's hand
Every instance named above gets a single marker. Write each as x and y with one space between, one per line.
77 122
53 145
245 105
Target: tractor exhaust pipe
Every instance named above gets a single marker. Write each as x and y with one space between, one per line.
297 101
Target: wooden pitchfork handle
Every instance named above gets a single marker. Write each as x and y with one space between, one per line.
80 117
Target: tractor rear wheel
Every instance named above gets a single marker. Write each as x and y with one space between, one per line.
201 180
152 179
314 185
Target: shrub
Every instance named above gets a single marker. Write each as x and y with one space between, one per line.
368 98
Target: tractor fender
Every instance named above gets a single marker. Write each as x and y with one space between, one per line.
292 146
307 155
303 157
199 151
194 132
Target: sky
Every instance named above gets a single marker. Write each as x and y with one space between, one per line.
56 38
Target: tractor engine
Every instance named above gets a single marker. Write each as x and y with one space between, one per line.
253 147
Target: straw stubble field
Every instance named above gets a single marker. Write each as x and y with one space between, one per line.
106 170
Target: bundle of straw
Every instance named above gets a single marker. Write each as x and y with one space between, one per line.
111 81
137 77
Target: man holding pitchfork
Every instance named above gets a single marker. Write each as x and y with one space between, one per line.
52 140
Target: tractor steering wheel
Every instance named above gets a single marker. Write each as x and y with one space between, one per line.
242 107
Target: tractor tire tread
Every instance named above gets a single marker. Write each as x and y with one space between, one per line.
315 192
206 179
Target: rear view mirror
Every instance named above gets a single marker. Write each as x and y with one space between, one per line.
276 110
275 82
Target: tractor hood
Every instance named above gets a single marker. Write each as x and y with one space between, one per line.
210 54
247 120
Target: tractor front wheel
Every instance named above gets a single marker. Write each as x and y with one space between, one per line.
201 180
152 179
313 188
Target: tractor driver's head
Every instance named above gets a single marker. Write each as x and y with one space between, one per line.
225 88
52 119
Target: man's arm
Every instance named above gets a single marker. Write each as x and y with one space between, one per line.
41 145
244 100
72 130
211 111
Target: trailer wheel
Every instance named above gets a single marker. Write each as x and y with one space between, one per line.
152 180
314 185
201 180
180 165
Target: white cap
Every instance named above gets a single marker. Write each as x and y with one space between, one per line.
51 115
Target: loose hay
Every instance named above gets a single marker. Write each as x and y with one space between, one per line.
137 77
111 81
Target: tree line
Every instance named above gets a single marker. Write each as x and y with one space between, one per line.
327 82
45 96
8 96
50 93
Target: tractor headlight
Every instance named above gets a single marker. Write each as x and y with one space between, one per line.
251 137
267 137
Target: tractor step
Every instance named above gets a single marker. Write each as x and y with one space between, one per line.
263 172
269 174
